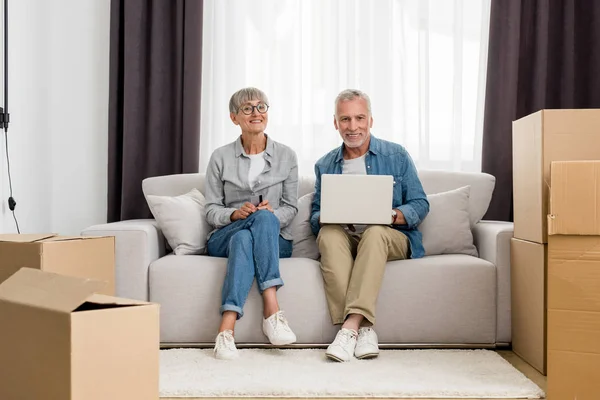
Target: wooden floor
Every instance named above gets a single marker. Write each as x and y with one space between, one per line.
508 355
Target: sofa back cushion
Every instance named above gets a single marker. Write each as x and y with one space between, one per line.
482 186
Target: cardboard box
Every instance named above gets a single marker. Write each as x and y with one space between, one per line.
528 298
574 317
575 198
574 282
59 340
80 256
539 139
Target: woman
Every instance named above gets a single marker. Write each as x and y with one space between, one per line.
251 198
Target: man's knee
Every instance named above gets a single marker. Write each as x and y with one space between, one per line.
375 232
330 233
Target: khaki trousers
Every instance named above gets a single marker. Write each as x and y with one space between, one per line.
353 268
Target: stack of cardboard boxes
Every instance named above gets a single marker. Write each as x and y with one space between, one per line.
62 334
574 281
538 140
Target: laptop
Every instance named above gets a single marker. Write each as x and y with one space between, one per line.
356 199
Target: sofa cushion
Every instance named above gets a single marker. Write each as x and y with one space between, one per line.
182 221
446 229
304 241
482 187
447 299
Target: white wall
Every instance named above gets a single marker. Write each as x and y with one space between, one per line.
58 104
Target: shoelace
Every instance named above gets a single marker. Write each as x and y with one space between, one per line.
280 322
345 336
363 338
226 340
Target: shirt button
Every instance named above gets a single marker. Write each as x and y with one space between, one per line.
368 166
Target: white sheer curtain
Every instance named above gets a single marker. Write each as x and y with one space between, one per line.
422 62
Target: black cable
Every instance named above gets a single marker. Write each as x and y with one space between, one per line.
4 117
11 201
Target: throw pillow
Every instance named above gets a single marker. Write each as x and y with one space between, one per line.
446 229
304 242
182 221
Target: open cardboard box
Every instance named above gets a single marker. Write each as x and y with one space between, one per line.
60 340
81 256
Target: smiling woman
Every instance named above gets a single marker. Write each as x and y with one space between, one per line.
253 235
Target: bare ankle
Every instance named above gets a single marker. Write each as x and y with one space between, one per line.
228 321
353 322
270 311
270 304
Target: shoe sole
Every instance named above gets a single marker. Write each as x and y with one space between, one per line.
367 356
334 358
282 343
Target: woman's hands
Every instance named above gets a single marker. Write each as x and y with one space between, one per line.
264 205
245 210
248 208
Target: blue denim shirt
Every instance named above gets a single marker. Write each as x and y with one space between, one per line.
383 158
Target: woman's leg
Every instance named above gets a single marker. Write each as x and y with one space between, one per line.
271 306
235 243
265 238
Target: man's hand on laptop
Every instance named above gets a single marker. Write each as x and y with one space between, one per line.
399 219
245 210
264 205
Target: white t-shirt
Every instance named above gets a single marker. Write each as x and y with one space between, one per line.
355 166
257 165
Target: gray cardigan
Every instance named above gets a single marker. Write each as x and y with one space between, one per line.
227 187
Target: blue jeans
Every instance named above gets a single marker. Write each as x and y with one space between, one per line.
253 247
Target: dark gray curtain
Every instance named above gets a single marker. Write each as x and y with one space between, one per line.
542 54
154 99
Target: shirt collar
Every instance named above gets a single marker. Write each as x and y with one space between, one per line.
239 149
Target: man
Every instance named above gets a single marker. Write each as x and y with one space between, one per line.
353 258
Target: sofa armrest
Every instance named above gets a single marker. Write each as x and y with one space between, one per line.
137 244
492 239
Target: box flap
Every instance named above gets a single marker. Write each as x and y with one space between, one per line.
59 238
48 290
104 299
574 198
25 237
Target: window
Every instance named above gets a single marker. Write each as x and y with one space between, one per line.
422 63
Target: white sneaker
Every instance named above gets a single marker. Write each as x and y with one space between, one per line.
342 348
367 345
225 346
278 331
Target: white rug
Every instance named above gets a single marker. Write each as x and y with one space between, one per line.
307 373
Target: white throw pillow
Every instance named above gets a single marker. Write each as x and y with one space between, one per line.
182 221
446 229
305 243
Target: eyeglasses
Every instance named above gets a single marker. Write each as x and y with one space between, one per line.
249 109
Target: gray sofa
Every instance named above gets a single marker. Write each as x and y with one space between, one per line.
442 300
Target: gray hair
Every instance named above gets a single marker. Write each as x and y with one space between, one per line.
351 94
243 96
